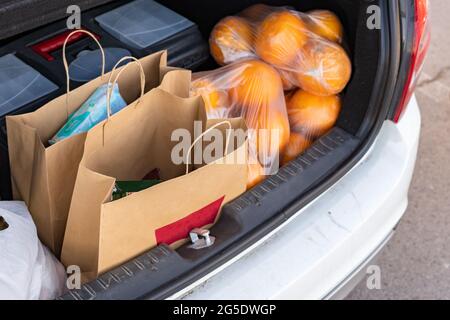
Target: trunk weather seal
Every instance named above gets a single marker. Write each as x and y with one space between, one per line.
407 11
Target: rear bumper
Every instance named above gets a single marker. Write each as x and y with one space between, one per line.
319 252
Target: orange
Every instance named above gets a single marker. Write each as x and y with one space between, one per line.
255 84
312 115
298 143
324 68
269 143
279 38
259 92
286 80
272 141
326 24
231 39
216 101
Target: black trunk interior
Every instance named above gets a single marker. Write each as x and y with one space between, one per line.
162 271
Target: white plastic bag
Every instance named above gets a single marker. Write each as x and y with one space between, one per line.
28 270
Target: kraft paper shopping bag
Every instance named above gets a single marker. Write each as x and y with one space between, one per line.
102 233
44 176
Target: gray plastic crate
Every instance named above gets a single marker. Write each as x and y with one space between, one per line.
20 84
88 64
142 23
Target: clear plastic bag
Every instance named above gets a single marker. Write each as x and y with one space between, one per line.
304 47
253 90
310 116
265 51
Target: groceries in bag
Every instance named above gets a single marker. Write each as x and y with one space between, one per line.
253 90
325 24
225 46
44 176
306 50
304 47
123 189
137 141
92 112
310 117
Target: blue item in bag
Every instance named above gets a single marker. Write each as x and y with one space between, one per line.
91 112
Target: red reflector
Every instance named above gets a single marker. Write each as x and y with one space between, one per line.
180 229
420 47
46 47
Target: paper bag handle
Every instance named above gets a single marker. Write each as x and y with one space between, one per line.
66 65
201 136
110 87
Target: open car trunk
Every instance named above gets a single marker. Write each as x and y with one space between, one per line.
162 271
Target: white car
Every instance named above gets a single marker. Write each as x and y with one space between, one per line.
323 250
312 230
327 247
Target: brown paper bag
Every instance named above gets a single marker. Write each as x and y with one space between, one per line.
44 176
101 234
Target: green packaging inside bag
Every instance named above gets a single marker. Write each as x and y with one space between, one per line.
123 189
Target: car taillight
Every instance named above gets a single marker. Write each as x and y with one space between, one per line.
421 43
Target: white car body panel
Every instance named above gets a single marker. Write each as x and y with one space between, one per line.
318 249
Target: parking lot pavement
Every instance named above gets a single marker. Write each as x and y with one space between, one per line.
416 263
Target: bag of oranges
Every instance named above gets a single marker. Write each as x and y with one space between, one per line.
304 47
310 117
251 89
